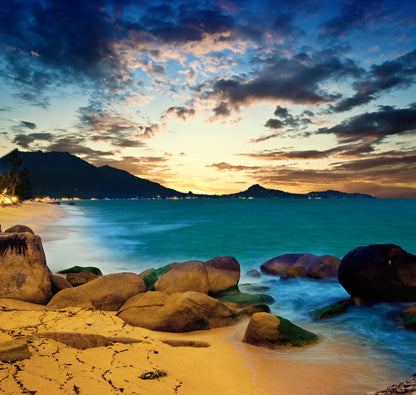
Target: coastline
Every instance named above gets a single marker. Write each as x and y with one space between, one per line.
36 215
227 366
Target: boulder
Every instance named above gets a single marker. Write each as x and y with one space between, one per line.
223 273
19 229
14 350
379 272
77 279
176 312
267 330
59 283
105 293
187 276
303 265
23 271
78 269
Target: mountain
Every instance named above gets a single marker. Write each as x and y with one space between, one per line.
60 174
257 191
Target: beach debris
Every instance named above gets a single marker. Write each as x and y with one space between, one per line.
14 350
153 374
404 387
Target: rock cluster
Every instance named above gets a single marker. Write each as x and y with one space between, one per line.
405 387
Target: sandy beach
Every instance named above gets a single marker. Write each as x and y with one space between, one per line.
140 361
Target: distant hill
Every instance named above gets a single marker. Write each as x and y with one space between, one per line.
257 191
60 174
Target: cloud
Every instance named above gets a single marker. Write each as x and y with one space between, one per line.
355 14
25 140
392 74
180 112
377 125
94 119
298 80
340 151
28 125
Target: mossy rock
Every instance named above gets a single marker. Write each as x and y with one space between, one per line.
149 277
235 296
78 269
164 269
333 310
270 331
294 335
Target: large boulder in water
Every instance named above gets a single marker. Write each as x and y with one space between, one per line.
23 271
223 273
302 265
177 312
379 272
187 276
270 331
105 293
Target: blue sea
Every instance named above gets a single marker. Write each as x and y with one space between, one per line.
134 235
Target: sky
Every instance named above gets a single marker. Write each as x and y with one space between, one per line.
215 96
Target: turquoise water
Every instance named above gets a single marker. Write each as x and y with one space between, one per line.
135 235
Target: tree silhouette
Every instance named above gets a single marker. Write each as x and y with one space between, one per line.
16 181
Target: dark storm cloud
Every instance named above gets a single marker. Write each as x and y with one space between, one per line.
386 121
355 14
392 74
298 80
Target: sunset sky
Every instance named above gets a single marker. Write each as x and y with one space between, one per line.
214 96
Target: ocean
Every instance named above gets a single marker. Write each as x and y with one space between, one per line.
134 235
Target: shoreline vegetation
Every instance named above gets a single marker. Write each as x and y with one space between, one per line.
135 360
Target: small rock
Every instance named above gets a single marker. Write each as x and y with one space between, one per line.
14 350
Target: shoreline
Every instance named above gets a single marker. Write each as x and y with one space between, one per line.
228 366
